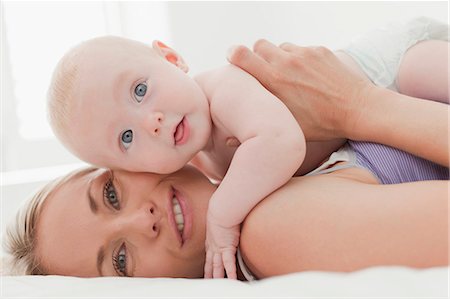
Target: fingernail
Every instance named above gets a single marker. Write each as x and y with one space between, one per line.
230 52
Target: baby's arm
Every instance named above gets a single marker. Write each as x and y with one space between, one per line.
272 149
272 144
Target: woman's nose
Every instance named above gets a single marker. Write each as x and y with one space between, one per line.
153 123
144 221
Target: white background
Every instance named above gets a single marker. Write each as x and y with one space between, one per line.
201 31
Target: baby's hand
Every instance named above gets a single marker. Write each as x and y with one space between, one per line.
221 243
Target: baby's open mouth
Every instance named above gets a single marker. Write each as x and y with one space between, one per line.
181 133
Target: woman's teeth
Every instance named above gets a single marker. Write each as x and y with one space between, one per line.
179 219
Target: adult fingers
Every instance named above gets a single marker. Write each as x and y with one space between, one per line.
208 265
250 62
299 51
218 271
305 51
289 47
265 49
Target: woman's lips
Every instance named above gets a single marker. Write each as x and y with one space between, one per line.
181 134
187 214
186 211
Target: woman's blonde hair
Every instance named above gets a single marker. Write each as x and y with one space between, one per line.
19 240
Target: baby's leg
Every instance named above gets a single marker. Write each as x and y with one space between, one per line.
424 71
419 46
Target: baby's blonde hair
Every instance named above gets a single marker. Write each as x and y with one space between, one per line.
61 91
19 240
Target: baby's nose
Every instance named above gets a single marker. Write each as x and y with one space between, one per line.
153 123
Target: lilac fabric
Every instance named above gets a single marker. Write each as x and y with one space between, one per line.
393 166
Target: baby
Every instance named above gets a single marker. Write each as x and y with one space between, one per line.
121 104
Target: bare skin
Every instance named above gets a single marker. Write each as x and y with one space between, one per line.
317 231
332 101
351 224
341 221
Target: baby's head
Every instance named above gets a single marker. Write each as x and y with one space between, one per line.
119 103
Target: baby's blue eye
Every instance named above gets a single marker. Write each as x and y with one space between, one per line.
127 138
139 92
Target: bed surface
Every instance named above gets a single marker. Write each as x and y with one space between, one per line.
373 282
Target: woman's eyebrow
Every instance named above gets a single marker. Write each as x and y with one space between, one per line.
94 208
92 204
100 258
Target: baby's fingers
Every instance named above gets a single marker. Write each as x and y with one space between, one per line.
218 271
229 263
208 265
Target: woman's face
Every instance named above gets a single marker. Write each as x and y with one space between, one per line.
109 223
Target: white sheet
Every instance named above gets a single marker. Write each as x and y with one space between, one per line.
374 282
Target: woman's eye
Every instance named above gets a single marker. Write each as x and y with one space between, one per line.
126 138
120 261
140 91
110 195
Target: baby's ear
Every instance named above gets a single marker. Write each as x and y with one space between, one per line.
170 55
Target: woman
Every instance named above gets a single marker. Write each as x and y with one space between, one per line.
352 206
100 222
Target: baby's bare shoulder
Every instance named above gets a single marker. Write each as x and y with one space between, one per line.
226 79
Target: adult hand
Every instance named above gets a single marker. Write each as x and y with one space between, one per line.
324 95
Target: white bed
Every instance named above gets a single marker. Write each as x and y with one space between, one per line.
378 282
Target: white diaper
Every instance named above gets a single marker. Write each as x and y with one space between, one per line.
380 52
